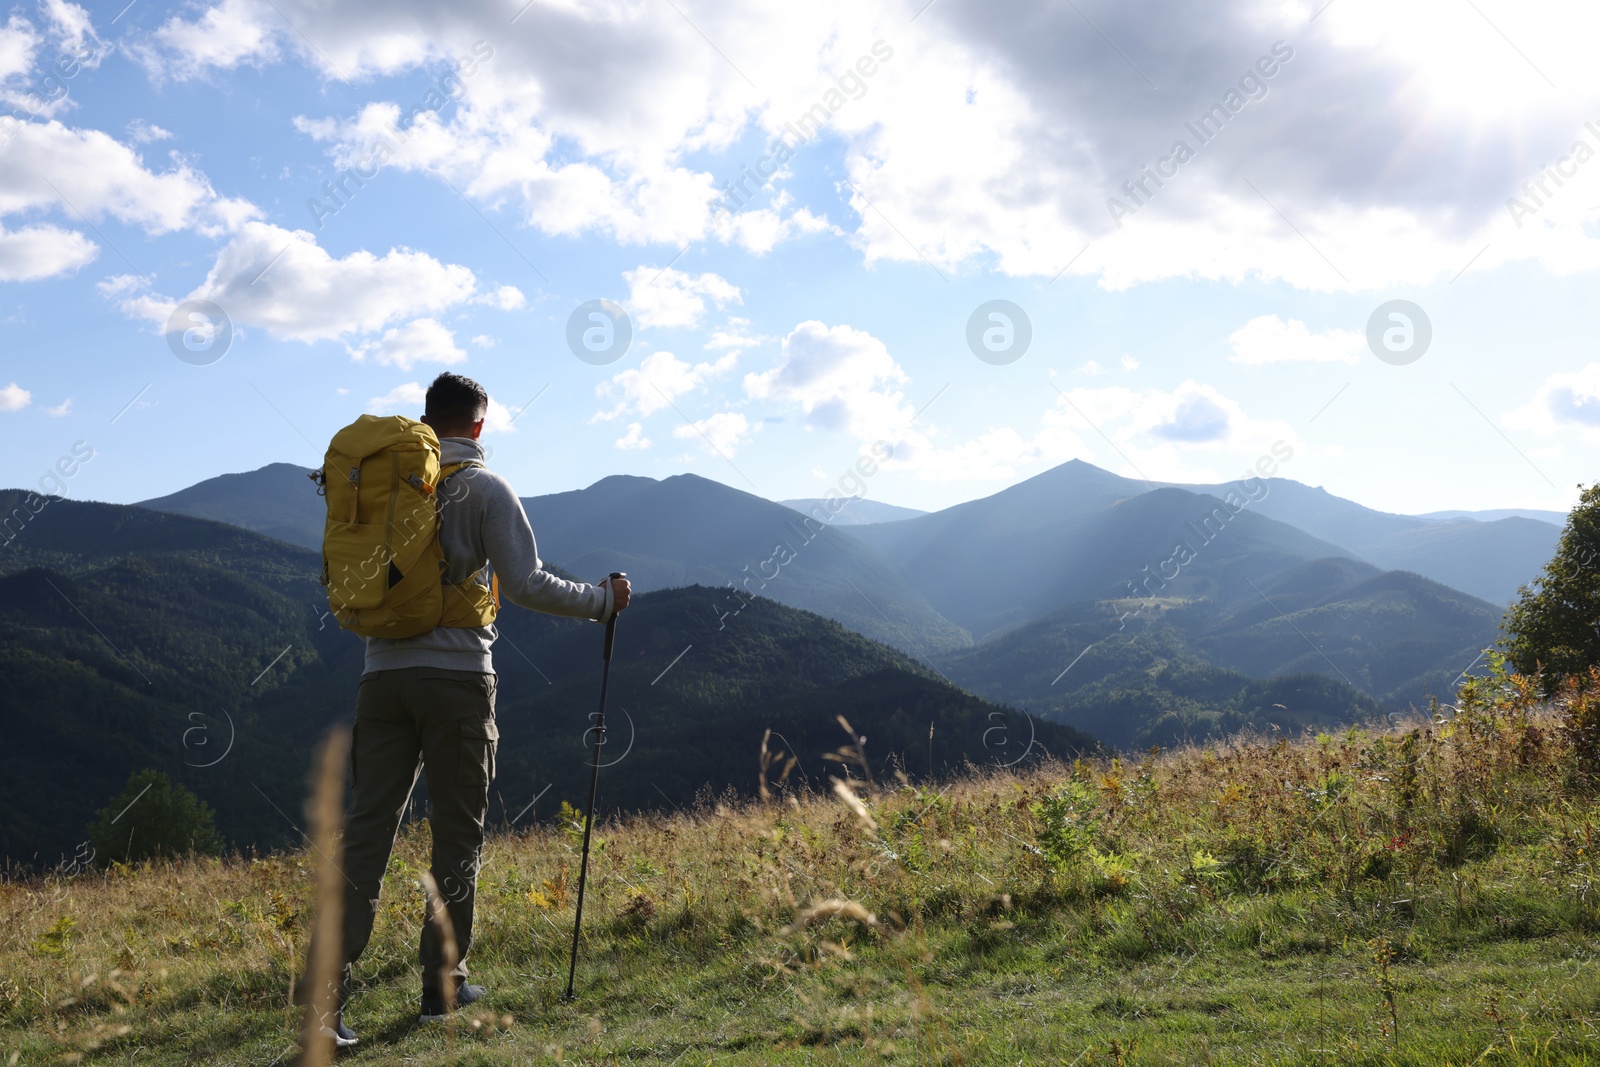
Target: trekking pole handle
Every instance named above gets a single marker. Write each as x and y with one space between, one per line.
611 623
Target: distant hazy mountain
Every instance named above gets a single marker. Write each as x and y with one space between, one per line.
1488 554
277 500
1396 636
679 531
688 530
1319 642
131 639
1488 558
1069 544
856 511
1142 681
1080 533
1556 518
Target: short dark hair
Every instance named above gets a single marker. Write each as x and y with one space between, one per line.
455 400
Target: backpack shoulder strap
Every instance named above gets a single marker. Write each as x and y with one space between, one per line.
450 468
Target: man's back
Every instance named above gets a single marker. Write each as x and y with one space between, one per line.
482 524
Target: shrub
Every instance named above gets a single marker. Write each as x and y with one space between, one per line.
1555 626
153 818
1580 724
1068 820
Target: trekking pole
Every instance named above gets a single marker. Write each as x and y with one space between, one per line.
599 730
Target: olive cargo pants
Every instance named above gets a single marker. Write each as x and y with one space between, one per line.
439 722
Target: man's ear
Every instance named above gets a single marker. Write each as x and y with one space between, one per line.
424 421
477 429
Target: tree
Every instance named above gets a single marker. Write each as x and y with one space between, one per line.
1555 626
153 817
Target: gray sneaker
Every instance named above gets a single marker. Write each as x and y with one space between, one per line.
343 1036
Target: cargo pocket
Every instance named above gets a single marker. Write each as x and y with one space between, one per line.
479 740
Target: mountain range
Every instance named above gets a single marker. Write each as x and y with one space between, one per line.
1077 600
132 639
855 511
966 580
1488 554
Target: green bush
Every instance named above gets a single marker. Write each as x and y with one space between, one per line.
153 818
1555 627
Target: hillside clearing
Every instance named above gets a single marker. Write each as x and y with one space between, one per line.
1422 895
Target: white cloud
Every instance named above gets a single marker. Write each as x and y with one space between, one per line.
1129 364
760 230
142 132
14 398
418 341
43 251
506 298
72 30
498 418
35 60
483 340
99 176
1269 339
842 378
672 298
1190 433
845 381
634 439
284 281
232 33
1567 400
60 409
723 432
409 396
18 43
995 455
659 380
51 167
118 286
985 139
1092 367
735 333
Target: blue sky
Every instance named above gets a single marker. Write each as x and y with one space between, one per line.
577 155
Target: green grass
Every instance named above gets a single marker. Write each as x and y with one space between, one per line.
1423 896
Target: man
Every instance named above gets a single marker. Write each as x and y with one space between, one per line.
427 703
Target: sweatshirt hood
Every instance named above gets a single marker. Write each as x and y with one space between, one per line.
458 450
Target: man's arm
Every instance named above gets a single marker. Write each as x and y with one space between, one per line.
508 542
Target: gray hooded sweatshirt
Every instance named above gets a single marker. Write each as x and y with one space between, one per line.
482 525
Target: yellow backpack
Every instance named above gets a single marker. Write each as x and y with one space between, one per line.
381 561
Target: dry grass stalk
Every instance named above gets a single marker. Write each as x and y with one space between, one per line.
447 941
833 908
771 758
325 811
853 802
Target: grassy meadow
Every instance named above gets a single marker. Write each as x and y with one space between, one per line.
1415 894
